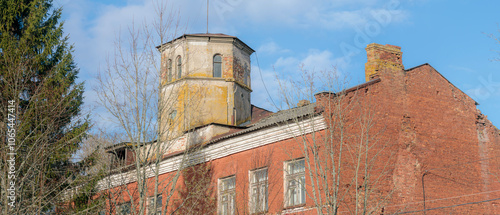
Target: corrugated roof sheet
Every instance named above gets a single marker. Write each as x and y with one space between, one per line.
275 119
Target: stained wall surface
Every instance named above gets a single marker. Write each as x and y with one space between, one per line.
430 147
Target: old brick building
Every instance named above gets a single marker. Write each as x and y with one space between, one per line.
406 141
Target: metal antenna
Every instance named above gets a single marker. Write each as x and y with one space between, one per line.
207 16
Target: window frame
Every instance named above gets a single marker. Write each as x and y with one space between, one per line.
178 67
230 193
124 204
261 186
299 181
159 205
218 66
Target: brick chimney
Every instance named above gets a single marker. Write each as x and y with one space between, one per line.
382 60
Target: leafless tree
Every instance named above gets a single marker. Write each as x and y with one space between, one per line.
91 163
343 160
128 89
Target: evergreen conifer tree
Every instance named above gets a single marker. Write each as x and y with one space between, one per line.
40 105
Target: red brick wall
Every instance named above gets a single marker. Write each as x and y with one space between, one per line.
427 135
437 129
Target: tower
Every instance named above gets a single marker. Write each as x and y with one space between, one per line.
205 80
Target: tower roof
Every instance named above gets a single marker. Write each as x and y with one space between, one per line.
210 35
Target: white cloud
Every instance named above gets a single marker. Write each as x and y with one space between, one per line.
314 60
287 63
266 82
94 26
307 14
318 60
271 48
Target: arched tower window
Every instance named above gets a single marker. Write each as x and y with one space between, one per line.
217 66
169 70
179 67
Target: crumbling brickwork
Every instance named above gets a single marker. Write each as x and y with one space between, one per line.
434 151
447 150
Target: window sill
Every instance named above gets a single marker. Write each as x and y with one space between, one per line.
259 213
294 209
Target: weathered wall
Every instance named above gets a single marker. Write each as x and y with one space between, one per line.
241 67
242 105
197 97
432 144
437 128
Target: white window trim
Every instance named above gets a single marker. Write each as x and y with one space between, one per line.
285 183
219 196
250 202
149 205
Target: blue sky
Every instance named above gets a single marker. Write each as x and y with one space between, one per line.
449 35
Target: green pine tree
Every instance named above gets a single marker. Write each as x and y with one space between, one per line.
37 76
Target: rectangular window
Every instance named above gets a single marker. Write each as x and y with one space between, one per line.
258 191
295 181
152 210
123 209
227 195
